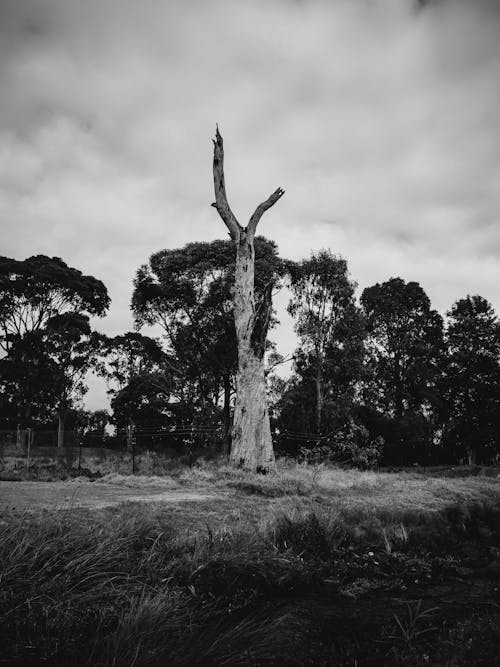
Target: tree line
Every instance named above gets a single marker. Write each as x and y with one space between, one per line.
380 379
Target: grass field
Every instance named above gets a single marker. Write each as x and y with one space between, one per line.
314 565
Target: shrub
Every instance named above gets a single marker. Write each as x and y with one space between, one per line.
351 445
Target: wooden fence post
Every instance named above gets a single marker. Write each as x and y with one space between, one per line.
130 444
191 447
30 439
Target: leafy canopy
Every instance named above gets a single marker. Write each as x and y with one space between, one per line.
471 384
38 288
405 343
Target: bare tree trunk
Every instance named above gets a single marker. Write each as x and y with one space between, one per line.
398 393
252 446
319 397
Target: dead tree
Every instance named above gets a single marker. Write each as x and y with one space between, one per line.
251 446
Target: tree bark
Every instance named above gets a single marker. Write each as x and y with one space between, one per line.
227 415
60 427
251 446
319 397
398 398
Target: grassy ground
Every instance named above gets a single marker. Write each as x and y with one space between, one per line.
314 565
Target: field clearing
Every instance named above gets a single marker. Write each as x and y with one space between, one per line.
341 490
33 496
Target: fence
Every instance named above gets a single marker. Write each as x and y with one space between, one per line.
147 450
146 437
136 449
181 440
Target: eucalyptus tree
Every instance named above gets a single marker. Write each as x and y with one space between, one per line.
40 287
27 393
252 446
471 385
71 349
126 356
405 354
137 372
187 293
405 339
35 294
328 324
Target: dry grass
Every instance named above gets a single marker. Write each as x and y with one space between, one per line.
349 487
301 487
190 583
135 481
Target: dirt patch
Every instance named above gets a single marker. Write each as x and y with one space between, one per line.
24 496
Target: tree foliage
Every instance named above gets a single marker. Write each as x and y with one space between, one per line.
139 378
404 364
45 335
27 392
330 330
72 352
38 288
187 292
405 340
381 382
127 356
471 384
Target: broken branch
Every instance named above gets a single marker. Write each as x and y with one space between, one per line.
221 203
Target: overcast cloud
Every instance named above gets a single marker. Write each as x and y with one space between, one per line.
381 122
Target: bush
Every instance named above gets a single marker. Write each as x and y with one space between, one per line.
351 445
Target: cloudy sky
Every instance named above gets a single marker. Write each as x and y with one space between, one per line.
380 119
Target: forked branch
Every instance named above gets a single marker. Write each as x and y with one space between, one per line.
262 208
221 203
